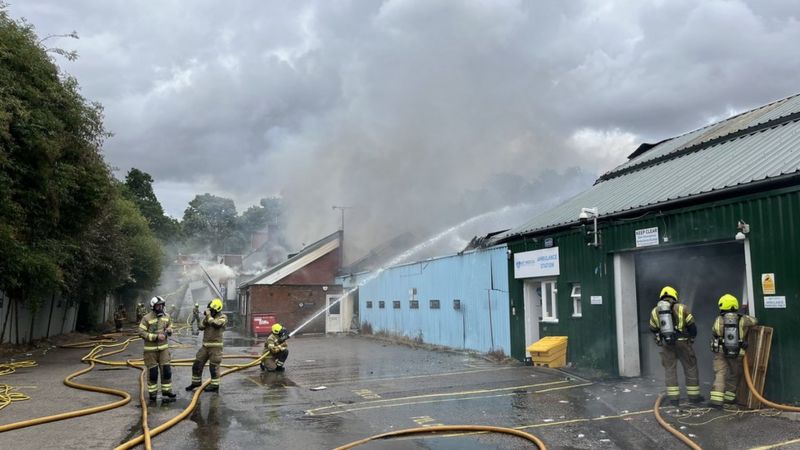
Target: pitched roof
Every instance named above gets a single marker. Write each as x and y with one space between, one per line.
761 144
305 257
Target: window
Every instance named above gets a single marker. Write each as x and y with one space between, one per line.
381 304
434 304
576 299
369 304
414 304
396 304
548 293
456 304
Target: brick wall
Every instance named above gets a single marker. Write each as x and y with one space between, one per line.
292 304
321 271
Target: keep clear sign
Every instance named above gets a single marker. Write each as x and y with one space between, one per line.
776 301
646 237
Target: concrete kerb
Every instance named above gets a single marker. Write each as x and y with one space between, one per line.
409 342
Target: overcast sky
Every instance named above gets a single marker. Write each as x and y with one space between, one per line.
420 113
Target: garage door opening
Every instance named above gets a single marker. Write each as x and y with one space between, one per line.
701 274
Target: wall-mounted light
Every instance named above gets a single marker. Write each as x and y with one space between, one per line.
584 216
744 230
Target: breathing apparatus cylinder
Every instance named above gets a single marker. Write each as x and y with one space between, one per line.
731 341
666 323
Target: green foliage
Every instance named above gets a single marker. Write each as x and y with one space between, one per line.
64 225
139 188
211 221
257 218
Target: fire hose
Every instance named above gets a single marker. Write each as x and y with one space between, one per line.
434 429
749 380
664 424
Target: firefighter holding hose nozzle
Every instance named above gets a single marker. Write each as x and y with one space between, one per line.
213 326
728 343
675 330
277 349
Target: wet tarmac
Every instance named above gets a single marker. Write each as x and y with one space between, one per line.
370 387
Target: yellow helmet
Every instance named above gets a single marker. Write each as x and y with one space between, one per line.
216 305
277 328
669 291
728 303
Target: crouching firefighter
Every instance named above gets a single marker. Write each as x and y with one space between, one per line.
276 348
728 343
213 326
675 330
155 328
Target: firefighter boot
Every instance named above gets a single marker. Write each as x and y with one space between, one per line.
167 397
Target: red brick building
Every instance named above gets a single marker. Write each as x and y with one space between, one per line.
296 289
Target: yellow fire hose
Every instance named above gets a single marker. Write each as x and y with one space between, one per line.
755 393
6 394
145 426
125 397
192 405
447 428
669 427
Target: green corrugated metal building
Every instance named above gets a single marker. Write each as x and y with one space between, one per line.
710 212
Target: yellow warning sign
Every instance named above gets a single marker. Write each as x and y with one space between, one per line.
768 283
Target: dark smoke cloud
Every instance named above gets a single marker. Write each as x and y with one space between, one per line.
417 113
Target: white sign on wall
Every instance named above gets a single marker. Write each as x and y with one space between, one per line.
596 299
536 263
778 301
647 237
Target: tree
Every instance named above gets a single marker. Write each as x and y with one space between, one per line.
139 188
268 213
210 221
53 180
64 225
120 254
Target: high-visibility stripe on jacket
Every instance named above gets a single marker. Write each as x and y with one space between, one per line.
273 346
149 329
213 328
745 323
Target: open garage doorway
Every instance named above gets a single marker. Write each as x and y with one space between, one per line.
700 274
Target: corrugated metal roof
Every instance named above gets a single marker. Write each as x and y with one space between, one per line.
733 124
761 155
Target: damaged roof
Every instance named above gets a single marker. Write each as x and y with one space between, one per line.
759 145
299 260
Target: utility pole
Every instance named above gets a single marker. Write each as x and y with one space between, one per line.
341 244
342 208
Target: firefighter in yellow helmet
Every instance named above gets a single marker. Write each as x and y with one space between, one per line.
728 343
675 330
213 326
154 329
277 349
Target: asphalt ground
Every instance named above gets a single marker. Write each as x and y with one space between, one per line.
370 387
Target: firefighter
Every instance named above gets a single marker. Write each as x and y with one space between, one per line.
277 348
119 317
728 343
140 312
195 319
213 325
675 330
155 328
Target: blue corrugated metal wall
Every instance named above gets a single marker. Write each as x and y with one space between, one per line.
476 278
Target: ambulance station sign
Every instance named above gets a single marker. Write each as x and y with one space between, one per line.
646 237
537 263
